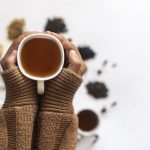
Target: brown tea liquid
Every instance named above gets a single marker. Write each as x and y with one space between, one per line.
40 57
88 120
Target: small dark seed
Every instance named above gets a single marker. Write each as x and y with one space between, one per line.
99 72
103 110
105 62
113 104
114 65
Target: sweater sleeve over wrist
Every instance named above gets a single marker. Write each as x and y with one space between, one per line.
19 89
60 92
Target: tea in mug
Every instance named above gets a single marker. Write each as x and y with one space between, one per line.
40 57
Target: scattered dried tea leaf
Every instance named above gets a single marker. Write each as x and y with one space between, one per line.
97 89
114 65
99 72
105 62
103 110
1 50
15 28
56 25
86 52
114 104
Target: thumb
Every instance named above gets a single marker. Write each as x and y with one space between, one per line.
74 61
11 60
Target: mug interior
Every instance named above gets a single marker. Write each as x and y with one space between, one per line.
44 36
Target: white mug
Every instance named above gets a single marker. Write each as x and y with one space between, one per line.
40 80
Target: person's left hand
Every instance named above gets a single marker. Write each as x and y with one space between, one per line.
19 89
10 58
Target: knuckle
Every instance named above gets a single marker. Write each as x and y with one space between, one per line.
78 63
62 38
48 32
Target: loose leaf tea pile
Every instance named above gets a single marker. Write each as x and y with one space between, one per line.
56 25
15 28
97 89
86 52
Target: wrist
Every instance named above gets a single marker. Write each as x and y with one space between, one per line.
19 89
60 92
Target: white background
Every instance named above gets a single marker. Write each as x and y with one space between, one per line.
118 30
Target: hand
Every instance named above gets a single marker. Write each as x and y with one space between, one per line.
59 92
19 89
76 63
10 58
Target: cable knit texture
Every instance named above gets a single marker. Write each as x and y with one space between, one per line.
19 122
3 132
55 125
60 92
56 131
19 111
19 89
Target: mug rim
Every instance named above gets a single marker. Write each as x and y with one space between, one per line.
86 133
44 36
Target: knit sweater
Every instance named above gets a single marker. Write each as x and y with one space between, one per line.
48 122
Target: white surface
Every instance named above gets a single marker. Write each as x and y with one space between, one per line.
118 30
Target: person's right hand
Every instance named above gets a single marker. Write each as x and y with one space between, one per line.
76 63
59 92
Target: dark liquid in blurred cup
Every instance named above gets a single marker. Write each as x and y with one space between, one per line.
88 120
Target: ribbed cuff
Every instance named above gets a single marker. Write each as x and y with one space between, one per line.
60 92
19 89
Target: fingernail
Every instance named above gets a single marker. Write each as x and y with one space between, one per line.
73 54
48 32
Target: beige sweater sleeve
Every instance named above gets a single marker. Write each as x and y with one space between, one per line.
57 123
3 132
18 113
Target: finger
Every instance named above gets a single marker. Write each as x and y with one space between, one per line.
65 42
74 61
16 43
